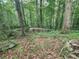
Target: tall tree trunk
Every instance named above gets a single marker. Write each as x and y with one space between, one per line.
23 12
67 16
58 17
62 15
41 19
38 13
55 12
30 15
20 15
51 5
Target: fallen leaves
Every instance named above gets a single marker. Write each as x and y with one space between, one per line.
40 48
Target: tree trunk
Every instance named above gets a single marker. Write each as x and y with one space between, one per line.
41 20
51 7
58 16
37 13
23 12
67 16
20 15
30 15
55 13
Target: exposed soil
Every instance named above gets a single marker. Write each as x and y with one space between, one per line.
39 48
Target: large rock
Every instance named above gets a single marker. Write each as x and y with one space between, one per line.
74 44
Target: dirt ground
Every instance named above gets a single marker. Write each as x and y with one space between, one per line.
39 48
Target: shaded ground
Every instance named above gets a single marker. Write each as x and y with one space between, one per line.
39 48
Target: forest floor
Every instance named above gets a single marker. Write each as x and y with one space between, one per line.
37 46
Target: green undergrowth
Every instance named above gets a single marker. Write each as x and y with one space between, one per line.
6 45
70 35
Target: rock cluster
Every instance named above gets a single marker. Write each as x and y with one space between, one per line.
74 45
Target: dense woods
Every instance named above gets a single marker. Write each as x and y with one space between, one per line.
53 14
22 18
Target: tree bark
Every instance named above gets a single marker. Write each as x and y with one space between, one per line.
37 13
67 16
41 19
20 16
